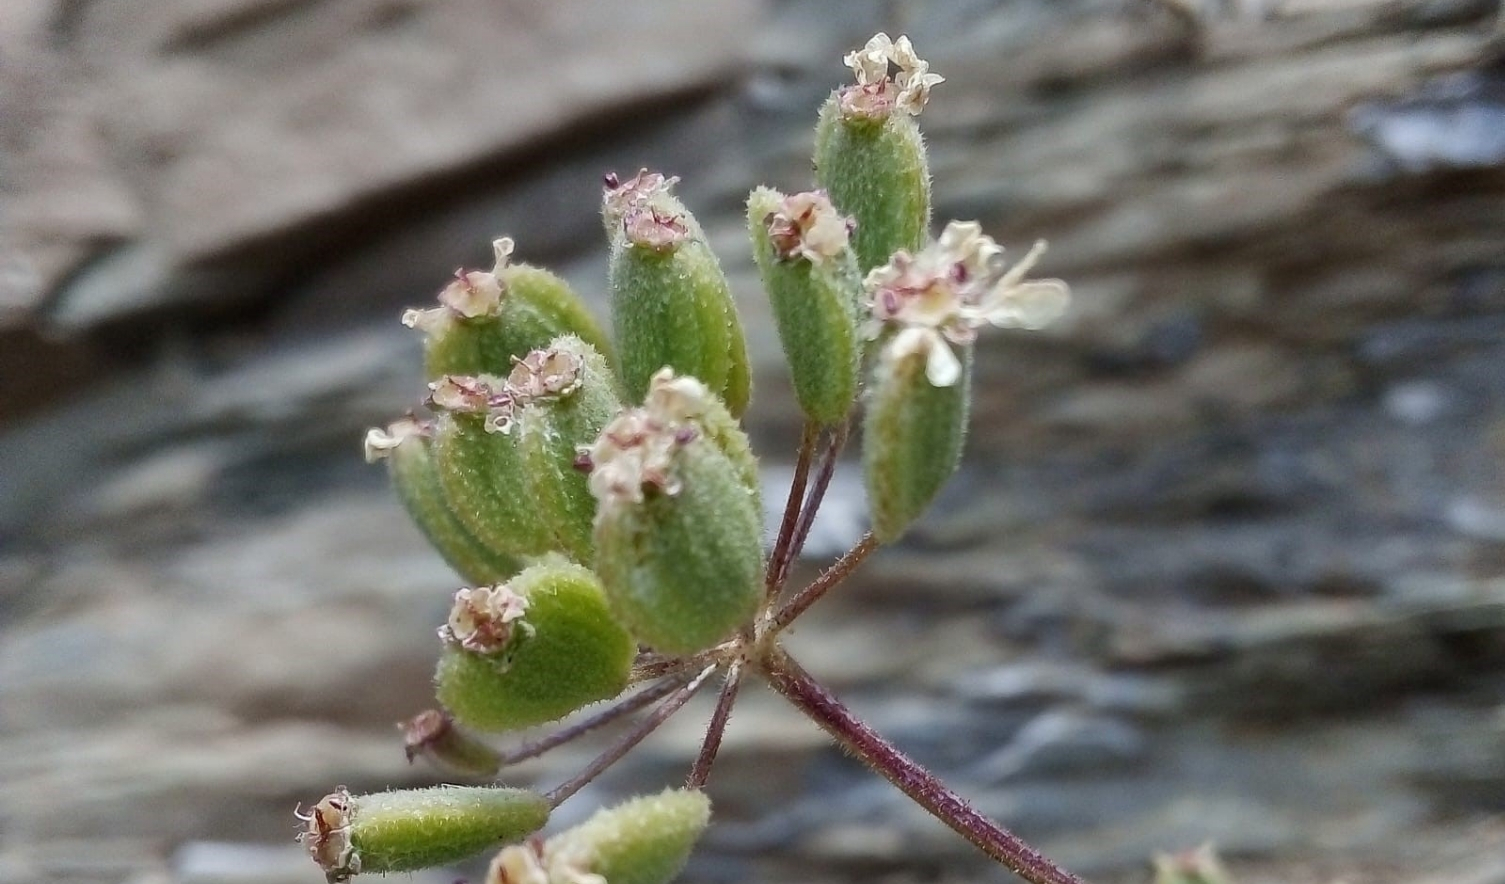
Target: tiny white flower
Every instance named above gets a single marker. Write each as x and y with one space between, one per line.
878 92
484 620
954 286
870 63
807 225
545 374
942 368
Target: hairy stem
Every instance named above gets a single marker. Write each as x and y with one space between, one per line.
714 731
839 571
612 755
823 476
788 678
777 559
586 725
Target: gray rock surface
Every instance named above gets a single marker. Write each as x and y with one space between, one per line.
1226 560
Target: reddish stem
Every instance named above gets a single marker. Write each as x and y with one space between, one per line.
823 476
777 559
714 731
788 678
586 725
839 571
612 755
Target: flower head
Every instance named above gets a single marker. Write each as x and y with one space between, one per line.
485 619
545 374
327 835
954 286
807 225
642 189
635 453
472 294
889 75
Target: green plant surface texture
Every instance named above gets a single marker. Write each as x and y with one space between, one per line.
913 435
674 308
410 829
645 840
815 309
536 307
415 476
875 171
684 571
485 478
573 652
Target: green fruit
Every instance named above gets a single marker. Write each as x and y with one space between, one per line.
410 829
532 651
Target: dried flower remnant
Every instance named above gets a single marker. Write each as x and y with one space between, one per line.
642 189
484 620
889 76
807 226
650 227
433 734
942 295
381 442
472 294
545 374
327 835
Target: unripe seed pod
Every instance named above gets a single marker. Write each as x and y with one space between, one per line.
409 829
810 273
671 304
506 449
868 151
433 734
643 841
406 447
483 468
678 530
533 650
875 171
554 428
487 320
913 433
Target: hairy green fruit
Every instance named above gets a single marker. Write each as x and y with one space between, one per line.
642 841
533 650
671 304
875 169
678 529
506 449
406 446
810 273
409 829
485 321
913 434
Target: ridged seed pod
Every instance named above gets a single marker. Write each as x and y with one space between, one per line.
505 449
869 154
671 304
810 273
532 650
642 841
405 445
678 530
913 433
408 829
486 320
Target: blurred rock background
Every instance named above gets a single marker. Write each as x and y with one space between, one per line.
1227 561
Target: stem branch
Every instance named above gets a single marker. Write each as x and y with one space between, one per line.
586 725
714 731
788 678
839 571
777 559
648 725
